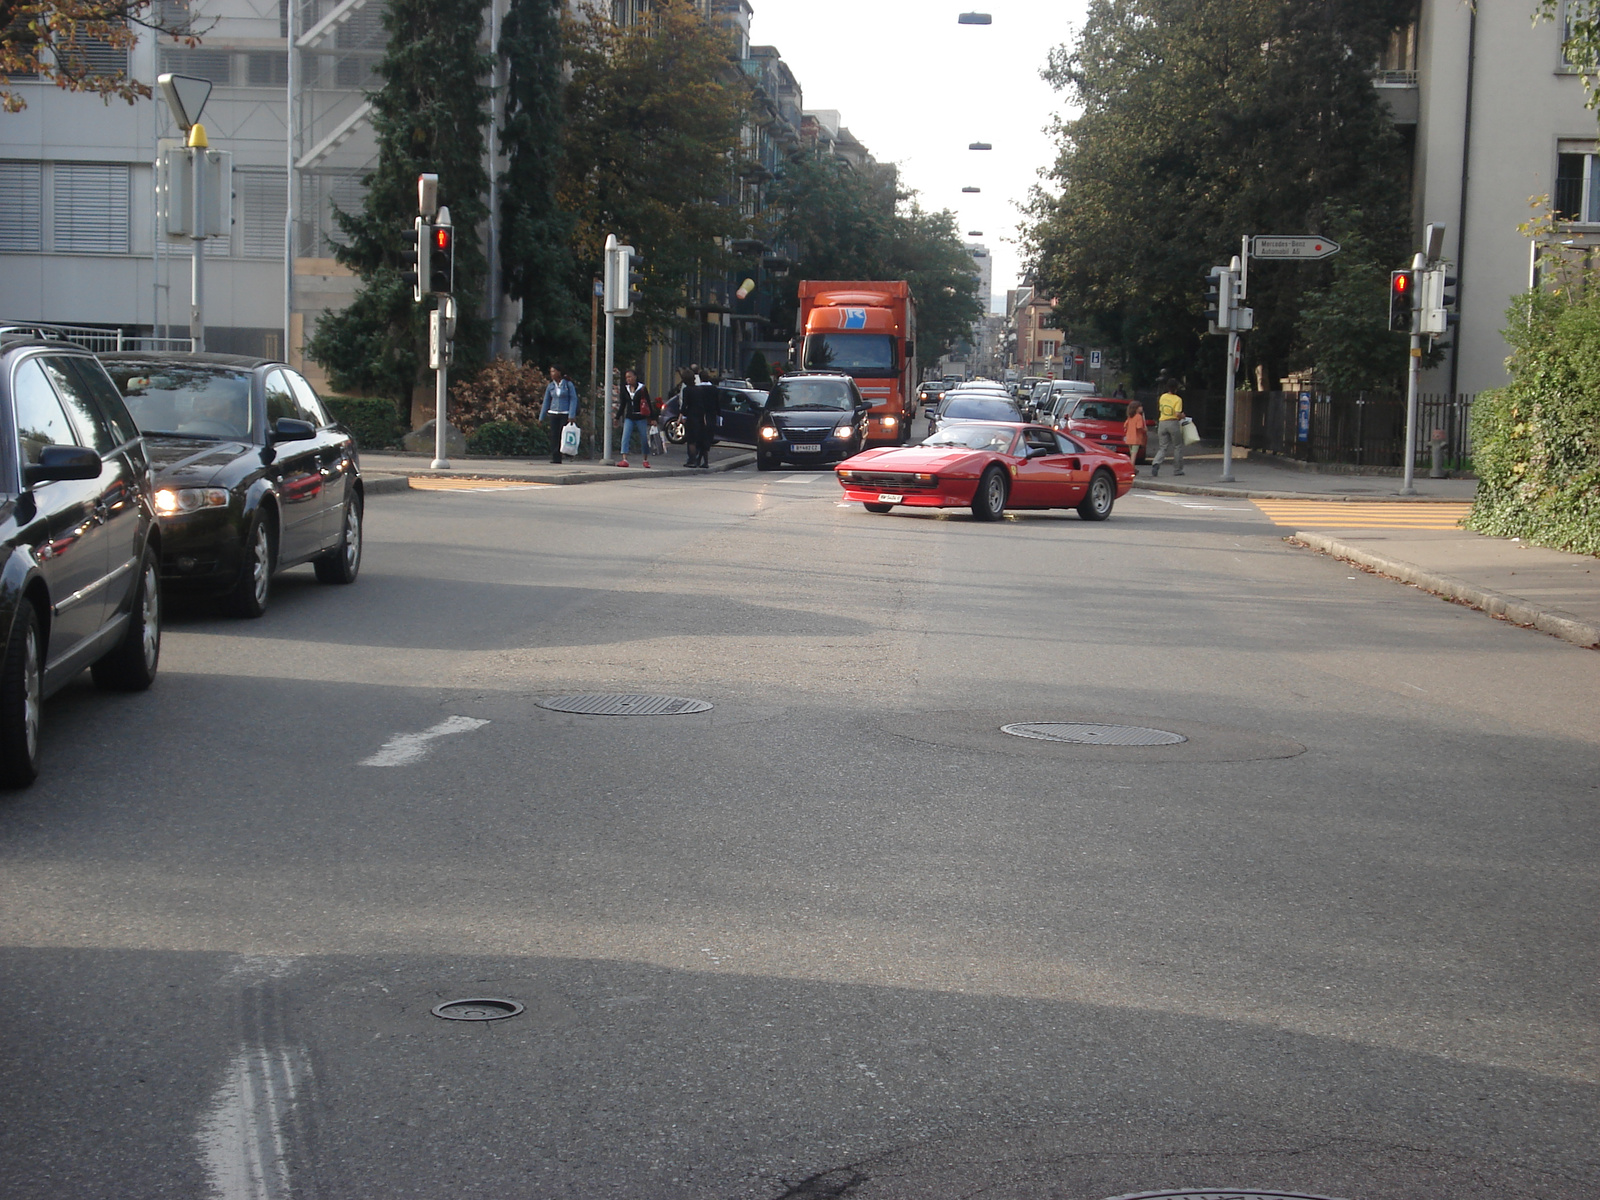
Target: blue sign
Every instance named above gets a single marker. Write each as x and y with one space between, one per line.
855 318
1303 422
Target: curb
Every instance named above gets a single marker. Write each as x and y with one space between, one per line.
1200 489
1497 604
377 485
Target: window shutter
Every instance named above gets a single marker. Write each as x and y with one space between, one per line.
91 209
262 204
20 184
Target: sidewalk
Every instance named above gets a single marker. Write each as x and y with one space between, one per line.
1256 480
392 471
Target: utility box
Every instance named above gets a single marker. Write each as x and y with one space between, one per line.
175 169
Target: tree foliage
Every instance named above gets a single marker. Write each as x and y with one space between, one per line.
428 116
53 40
1345 325
535 254
1580 44
653 114
849 224
1202 121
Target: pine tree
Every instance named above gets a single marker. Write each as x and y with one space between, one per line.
429 116
536 262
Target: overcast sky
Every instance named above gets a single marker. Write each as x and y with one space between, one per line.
916 87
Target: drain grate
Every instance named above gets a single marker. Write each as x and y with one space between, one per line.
1080 734
1220 1194
625 706
477 1010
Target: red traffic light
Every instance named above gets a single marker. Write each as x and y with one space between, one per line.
1402 282
441 237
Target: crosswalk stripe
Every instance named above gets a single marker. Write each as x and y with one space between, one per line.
433 483
1338 514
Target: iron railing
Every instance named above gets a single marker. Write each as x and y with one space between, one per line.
1366 429
98 339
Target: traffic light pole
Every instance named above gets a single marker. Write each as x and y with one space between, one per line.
1413 378
197 269
605 383
1227 408
441 398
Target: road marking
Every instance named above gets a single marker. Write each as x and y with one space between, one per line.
1379 514
242 1138
403 749
1193 504
434 483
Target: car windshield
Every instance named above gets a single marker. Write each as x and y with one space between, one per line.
185 399
972 437
981 408
812 393
1100 410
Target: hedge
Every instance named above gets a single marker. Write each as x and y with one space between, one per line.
372 421
509 439
1536 442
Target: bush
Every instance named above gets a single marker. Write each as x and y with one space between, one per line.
371 420
1536 442
503 392
509 439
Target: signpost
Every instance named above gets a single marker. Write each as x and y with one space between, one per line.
1308 248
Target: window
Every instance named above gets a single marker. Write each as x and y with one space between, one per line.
1577 196
215 65
92 427
307 406
92 376
1047 348
93 56
40 419
280 401
262 204
91 208
21 184
267 69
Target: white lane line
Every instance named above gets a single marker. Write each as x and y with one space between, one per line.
242 1136
1192 504
403 749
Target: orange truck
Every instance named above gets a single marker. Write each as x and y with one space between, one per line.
868 331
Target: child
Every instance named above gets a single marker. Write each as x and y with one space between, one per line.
1133 430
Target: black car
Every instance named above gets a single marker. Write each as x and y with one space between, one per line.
811 418
929 394
80 577
739 405
251 475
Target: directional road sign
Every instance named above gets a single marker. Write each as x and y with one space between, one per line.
1309 247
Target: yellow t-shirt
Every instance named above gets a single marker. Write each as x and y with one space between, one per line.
1171 406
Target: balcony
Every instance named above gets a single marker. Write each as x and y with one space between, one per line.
1398 90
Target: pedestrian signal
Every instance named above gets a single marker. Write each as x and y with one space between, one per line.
442 260
414 259
1402 301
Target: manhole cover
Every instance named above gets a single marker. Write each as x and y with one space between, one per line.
1095 735
1220 1194
477 1010
625 706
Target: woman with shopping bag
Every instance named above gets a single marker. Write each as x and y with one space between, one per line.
560 408
1169 430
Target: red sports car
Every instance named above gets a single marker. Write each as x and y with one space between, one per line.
989 466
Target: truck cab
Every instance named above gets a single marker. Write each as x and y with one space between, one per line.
865 330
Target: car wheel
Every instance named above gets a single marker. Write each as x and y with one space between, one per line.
877 508
989 501
250 594
131 667
673 431
1101 496
766 463
341 564
21 701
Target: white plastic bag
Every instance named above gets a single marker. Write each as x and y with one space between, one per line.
1191 435
571 437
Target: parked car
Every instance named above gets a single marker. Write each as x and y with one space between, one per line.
1098 421
739 408
252 477
80 574
813 419
989 467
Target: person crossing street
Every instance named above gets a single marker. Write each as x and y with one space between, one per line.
1169 429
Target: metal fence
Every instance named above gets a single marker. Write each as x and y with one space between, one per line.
1367 429
98 339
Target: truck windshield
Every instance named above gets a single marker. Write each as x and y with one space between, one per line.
850 352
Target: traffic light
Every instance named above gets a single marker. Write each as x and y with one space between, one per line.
442 257
415 256
1447 294
622 280
1219 300
1402 301
635 279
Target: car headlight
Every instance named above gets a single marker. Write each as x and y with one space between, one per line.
844 431
768 433
187 500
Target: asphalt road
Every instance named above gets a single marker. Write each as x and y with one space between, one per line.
838 936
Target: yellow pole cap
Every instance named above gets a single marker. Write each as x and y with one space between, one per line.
197 137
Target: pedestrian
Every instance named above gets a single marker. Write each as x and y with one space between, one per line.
634 410
699 408
1134 431
1169 429
560 406
1120 394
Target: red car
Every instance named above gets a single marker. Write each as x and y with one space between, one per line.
1099 422
989 466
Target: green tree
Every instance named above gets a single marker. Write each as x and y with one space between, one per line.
653 114
428 115
1201 121
1345 325
535 252
49 40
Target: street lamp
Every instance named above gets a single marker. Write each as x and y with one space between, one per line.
974 18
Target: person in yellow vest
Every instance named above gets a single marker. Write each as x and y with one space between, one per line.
1169 429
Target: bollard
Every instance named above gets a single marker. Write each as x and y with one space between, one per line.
1437 446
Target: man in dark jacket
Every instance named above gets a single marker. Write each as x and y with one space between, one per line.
699 408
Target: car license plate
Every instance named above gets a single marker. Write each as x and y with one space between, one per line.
889 498
806 449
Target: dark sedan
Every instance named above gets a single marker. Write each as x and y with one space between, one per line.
251 475
811 419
